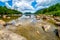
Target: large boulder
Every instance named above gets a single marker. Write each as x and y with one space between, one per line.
49 28
57 23
4 16
57 19
2 22
8 35
59 31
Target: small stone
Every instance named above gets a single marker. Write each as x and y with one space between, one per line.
8 17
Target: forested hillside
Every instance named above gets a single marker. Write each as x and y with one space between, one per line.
5 10
8 14
52 10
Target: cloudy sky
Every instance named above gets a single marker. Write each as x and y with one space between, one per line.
27 5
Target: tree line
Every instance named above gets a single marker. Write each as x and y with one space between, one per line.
52 10
5 11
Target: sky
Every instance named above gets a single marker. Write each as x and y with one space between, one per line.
28 5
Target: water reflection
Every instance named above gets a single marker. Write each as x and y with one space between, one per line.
24 19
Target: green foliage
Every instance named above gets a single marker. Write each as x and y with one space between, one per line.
5 10
52 10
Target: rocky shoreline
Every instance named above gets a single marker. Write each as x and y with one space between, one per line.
48 22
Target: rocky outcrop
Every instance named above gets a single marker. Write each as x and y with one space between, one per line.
8 35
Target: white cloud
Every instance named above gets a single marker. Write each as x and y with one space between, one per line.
25 5
41 7
6 3
45 3
8 6
4 0
22 6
